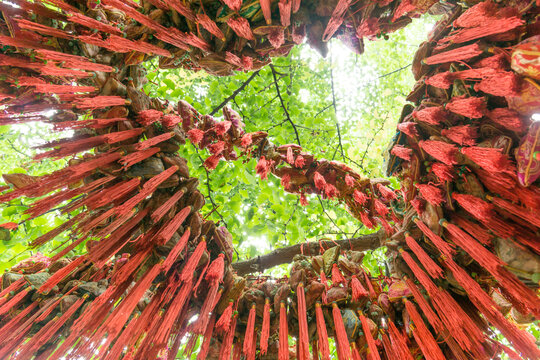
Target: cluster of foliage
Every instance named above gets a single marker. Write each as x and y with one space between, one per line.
343 107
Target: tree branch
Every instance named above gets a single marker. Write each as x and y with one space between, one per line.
233 95
283 105
286 255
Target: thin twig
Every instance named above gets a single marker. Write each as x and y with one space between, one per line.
17 150
290 218
323 110
394 71
329 217
335 111
233 95
371 141
283 105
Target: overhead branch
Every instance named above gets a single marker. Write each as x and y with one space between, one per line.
236 92
286 255
283 105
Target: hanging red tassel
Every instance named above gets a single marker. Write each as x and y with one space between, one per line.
471 107
14 286
442 171
74 61
14 301
266 7
402 152
195 136
154 141
341 334
324 281
190 346
506 118
431 267
360 197
373 352
205 346
283 350
167 206
398 342
477 207
265 331
285 8
263 167
355 353
193 261
250 331
517 210
386 192
490 159
475 230
98 102
408 128
61 274
372 294
388 348
108 195
170 120
463 134
322 332
303 335
148 117
210 26
93 23
459 54
504 83
440 150
224 322
423 336
358 291
138 156
477 15
427 310
337 277
299 162
366 220
241 27
349 180
419 205
227 344
434 115
214 276
485 258
511 353
167 231
442 80
432 194
493 27
319 181
444 247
